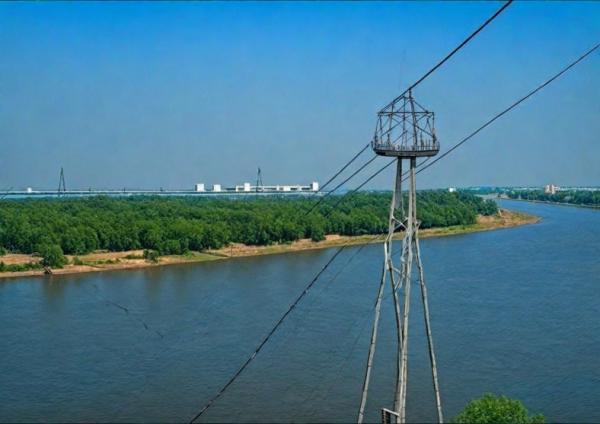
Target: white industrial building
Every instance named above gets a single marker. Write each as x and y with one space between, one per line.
249 188
550 189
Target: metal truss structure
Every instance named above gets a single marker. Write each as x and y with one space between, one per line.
62 187
405 130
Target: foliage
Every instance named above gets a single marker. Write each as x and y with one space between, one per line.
151 255
104 262
497 410
176 225
52 255
19 267
2 251
134 256
576 197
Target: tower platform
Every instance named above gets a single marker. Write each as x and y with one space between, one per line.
405 129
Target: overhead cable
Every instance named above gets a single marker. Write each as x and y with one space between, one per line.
268 336
511 107
313 207
452 53
420 80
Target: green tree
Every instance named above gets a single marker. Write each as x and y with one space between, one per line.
492 409
174 225
52 255
317 233
151 255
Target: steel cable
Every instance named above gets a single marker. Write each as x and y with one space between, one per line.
420 80
313 281
313 207
452 53
268 336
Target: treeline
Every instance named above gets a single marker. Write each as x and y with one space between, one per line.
175 225
577 197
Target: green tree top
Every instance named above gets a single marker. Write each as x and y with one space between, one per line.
52 256
492 409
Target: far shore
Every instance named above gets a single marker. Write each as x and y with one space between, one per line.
107 261
548 202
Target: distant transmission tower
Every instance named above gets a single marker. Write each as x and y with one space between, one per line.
405 130
259 181
62 187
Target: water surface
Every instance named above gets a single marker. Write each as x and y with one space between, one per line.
513 311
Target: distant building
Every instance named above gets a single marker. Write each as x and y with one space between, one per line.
451 189
29 190
244 187
250 188
550 189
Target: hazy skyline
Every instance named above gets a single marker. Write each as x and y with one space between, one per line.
170 94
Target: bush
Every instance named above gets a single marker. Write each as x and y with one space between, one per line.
52 256
133 256
151 255
2 251
19 267
77 261
498 410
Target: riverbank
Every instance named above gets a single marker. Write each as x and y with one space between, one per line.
548 202
107 261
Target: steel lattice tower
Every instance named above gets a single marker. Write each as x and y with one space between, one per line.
259 181
62 187
405 130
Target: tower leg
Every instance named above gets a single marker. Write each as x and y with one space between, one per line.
407 259
387 267
436 386
365 390
393 225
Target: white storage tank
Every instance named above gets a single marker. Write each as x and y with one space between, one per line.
216 187
246 186
200 187
314 186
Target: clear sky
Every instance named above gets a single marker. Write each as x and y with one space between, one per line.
169 94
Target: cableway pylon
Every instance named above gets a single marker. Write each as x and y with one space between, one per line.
405 130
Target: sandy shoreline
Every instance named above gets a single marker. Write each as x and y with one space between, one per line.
107 261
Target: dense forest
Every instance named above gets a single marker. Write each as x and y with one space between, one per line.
577 197
175 225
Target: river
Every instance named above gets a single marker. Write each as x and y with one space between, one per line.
513 311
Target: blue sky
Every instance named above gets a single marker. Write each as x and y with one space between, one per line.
169 94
